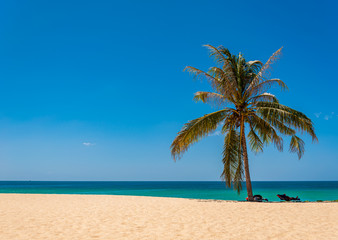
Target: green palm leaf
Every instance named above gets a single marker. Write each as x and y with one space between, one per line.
210 98
286 115
196 129
297 145
232 160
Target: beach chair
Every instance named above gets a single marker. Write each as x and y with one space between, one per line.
283 197
258 198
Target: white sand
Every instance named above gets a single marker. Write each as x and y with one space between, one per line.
127 217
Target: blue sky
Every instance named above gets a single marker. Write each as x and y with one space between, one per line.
94 90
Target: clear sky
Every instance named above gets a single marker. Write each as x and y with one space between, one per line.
95 90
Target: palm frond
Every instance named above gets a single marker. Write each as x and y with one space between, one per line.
264 86
226 52
211 98
238 177
232 172
194 130
287 116
230 121
255 142
268 97
228 87
282 128
254 66
255 62
215 83
297 145
264 73
266 132
215 53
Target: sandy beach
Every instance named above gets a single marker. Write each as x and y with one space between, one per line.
30 216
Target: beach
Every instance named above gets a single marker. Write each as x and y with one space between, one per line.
57 216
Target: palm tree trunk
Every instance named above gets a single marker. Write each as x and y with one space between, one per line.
247 172
246 163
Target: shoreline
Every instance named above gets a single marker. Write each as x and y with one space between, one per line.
308 191
70 216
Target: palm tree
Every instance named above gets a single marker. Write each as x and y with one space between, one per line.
240 95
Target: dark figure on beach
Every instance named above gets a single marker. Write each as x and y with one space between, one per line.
258 198
287 198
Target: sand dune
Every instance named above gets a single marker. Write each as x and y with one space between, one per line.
128 217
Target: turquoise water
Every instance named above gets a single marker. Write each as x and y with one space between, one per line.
310 191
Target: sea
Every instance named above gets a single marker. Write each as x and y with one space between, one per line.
306 191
